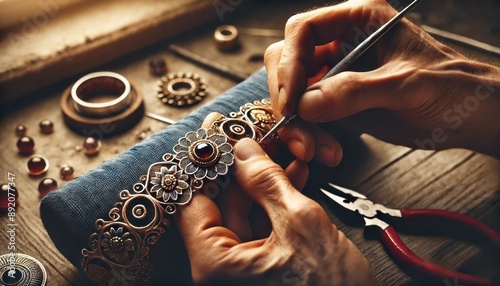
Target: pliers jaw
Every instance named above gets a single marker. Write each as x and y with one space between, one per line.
362 205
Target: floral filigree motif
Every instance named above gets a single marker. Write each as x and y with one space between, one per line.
204 154
169 183
117 244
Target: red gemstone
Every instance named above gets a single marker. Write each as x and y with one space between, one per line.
66 172
91 145
46 126
20 130
8 198
26 145
46 185
204 150
37 165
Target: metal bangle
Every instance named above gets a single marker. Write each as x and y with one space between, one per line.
118 249
97 82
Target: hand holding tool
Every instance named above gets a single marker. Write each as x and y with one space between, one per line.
369 211
351 58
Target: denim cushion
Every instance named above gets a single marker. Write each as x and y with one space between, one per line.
69 213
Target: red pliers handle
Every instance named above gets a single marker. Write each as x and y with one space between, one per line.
411 261
369 211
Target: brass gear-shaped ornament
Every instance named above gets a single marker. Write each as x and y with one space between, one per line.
182 89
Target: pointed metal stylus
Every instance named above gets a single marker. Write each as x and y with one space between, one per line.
351 57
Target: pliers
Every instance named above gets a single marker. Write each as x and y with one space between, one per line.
357 202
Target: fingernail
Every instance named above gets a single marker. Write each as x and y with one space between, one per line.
282 101
246 149
316 101
298 149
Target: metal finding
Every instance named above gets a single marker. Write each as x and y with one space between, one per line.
21 270
95 84
182 89
226 38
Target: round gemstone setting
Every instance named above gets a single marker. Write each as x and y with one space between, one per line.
37 165
204 153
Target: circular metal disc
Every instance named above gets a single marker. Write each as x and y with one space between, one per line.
21 270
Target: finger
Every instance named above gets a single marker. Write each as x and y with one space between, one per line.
349 93
299 140
302 33
235 207
211 117
328 150
298 172
262 179
199 220
271 61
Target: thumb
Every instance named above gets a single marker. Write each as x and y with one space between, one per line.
348 93
263 180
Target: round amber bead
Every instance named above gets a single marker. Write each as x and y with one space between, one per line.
46 126
20 130
37 165
46 185
91 145
26 145
66 172
8 198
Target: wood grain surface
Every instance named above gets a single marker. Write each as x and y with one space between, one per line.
456 180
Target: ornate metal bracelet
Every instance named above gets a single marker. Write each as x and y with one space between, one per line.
118 250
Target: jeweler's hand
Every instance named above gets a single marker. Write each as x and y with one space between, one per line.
417 92
303 247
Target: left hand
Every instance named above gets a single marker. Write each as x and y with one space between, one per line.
304 247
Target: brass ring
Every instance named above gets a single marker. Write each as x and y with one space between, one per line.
226 37
95 84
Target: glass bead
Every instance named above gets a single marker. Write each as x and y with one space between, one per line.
157 67
37 165
91 145
7 200
46 126
20 130
46 185
26 145
66 172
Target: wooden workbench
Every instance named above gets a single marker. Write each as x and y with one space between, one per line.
457 180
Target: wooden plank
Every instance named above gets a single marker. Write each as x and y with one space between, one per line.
456 180
87 35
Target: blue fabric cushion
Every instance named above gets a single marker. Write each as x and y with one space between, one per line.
69 213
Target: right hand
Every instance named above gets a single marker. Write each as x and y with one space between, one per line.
418 92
